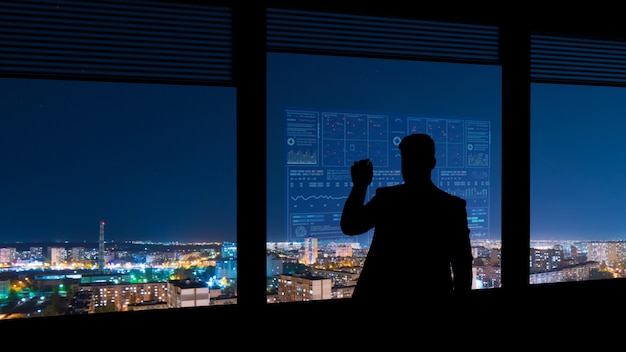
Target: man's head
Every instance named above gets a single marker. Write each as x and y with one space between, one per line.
418 156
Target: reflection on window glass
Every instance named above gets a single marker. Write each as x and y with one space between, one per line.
115 197
324 113
577 183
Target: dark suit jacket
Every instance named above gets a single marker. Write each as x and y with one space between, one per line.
420 233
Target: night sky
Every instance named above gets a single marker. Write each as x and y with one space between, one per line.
578 160
158 162
153 162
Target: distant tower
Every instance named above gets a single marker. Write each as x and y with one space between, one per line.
101 248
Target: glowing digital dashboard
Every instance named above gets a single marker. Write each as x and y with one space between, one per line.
321 145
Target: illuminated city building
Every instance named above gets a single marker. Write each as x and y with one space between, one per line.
56 255
229 250
339 277
485 274
303 288
78 254
579 272
101 260
5 288
343 250
226 269
187 293
7 256
121 295
611 252
82 303
544 259
273 265
310 250
36 254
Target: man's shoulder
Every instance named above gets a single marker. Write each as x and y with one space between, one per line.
399 188
451 197
402 189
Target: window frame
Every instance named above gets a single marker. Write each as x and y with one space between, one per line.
249 79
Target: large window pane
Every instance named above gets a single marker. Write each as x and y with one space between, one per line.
315 105
116 197
577 183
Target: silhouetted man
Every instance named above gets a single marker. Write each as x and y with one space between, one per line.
421 246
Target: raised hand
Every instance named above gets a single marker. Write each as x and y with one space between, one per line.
362 173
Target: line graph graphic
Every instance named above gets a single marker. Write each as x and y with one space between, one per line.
318 197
